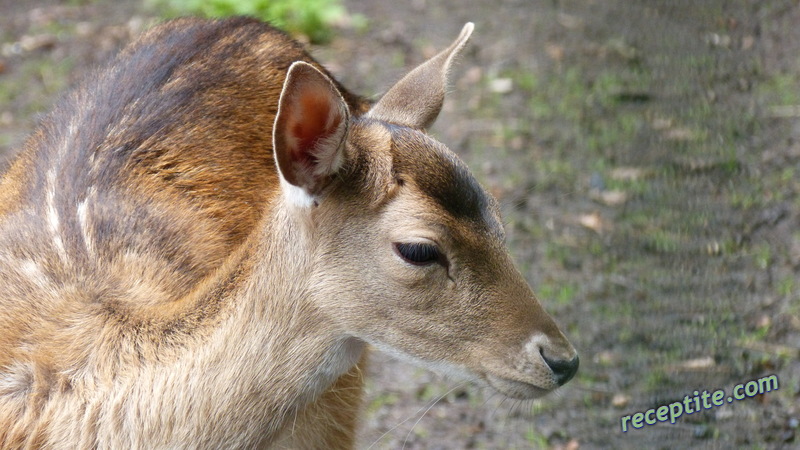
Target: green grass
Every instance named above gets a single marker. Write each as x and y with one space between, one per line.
558 293
536 440
381 401
781 90
787 287
31 83
311 18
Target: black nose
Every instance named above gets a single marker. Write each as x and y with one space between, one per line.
562 369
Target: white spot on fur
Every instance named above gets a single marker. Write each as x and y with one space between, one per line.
92 163
83 221
343 355
72 131
16 379
296 196
51 213
33 272
59 243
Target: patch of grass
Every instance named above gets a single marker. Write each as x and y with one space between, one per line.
781 90
550 173
557 252
657 379
616 311
37 70
536 439
560 293
745 196
420 431
607 133
762 256
312 18
787 175
542 406
633 185
597 249
382 400
572 96
54 75
786 287
662 241
430 392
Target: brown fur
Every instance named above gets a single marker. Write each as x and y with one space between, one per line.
165 284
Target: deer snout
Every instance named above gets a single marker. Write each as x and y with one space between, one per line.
554 352
563 369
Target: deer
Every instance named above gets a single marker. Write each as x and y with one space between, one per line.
202 241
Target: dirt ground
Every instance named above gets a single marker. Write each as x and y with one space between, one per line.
646 154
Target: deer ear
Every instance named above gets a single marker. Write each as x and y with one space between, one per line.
415 101
309 132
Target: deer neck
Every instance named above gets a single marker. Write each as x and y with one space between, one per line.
273 352
279 303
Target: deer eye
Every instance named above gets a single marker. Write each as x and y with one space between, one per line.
419 253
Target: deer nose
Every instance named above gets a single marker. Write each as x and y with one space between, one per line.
562 369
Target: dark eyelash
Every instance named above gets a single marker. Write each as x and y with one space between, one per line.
419 254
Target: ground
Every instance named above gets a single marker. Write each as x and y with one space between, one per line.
646 154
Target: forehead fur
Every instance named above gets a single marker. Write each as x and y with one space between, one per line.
443 177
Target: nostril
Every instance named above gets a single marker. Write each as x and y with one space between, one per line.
563 370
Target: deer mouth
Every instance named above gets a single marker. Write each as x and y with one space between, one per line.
516 389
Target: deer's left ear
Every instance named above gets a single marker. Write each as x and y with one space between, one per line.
309 132
415 101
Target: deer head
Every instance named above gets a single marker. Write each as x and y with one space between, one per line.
407 247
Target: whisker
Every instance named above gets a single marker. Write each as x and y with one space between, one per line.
425 408
434 402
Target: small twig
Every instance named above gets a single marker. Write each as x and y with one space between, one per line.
776 349
784 112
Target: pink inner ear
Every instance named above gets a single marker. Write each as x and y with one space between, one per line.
314 120
310 127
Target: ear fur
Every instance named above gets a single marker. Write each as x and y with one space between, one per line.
309 133
415 101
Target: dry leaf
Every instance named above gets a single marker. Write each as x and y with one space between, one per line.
592 221
698 363
620 400
613 197
627 173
